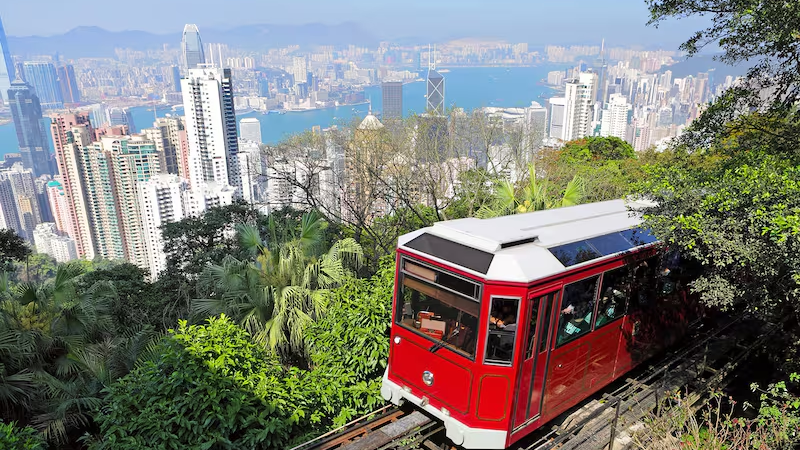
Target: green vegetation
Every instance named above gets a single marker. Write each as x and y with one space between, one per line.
13 437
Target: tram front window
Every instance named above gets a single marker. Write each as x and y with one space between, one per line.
442 315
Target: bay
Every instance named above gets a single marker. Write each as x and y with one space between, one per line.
467 87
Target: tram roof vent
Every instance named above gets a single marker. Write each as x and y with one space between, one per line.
526 240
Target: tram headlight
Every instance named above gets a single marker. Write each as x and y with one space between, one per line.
427 378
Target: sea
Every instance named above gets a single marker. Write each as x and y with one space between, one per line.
465 87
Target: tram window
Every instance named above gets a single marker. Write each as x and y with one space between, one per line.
577 308
643 285
440 315
574 253
531 341
614 294
548 314
502 330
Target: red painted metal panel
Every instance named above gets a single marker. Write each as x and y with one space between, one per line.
494 398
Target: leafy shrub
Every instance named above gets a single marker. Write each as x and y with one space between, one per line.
13 437
210 387
350 346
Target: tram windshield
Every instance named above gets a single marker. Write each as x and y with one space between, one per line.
440 306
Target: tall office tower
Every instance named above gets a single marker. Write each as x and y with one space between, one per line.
72 132
579 95
31 128
175 77
44 79
9 216
169 136
56 198
6 65
615 117
160 202
192 46
68 84
299 69
26 198
48 240
435 88
701 87
601 90
121 116
251 129
211 127
392 99
557 117
666 79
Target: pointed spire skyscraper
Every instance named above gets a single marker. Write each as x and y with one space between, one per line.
435 91
7 72
192 46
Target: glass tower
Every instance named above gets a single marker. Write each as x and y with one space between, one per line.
435 91
6 65
392 99
192 46
31 128
44 79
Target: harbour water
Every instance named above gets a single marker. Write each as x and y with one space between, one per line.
467 88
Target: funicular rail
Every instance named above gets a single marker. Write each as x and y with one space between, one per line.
608 422
377 430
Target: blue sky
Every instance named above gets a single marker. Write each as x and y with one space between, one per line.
534 21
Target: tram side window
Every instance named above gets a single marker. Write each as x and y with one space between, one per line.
577 308
502 330
614 294
643 287
438 314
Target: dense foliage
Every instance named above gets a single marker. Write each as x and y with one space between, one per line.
12 248
13 437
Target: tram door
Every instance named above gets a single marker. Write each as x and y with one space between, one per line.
538 321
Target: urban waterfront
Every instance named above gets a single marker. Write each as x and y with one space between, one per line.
467 88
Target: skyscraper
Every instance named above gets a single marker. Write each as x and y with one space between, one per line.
6 65
58 206
615 117
25 198
72 132
557 115
435 91
579 94
160 202
121 116
251 129
392 99
48 240
211 127
68 84
31 128
44 79
192 46
169 136
300 69
9 216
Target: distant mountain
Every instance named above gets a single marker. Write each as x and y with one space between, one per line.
95 42
704 63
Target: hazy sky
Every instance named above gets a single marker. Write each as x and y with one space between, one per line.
534 21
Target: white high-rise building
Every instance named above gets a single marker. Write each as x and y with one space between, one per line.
615 117
557 116
49 241
211 128
198 200
253 172
579 94
160 202
250 129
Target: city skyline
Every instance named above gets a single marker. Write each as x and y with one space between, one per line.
624 24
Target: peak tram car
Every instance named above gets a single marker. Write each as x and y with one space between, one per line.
499 325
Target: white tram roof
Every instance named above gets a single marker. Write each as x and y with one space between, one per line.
528 247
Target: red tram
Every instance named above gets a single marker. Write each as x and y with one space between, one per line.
500 325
